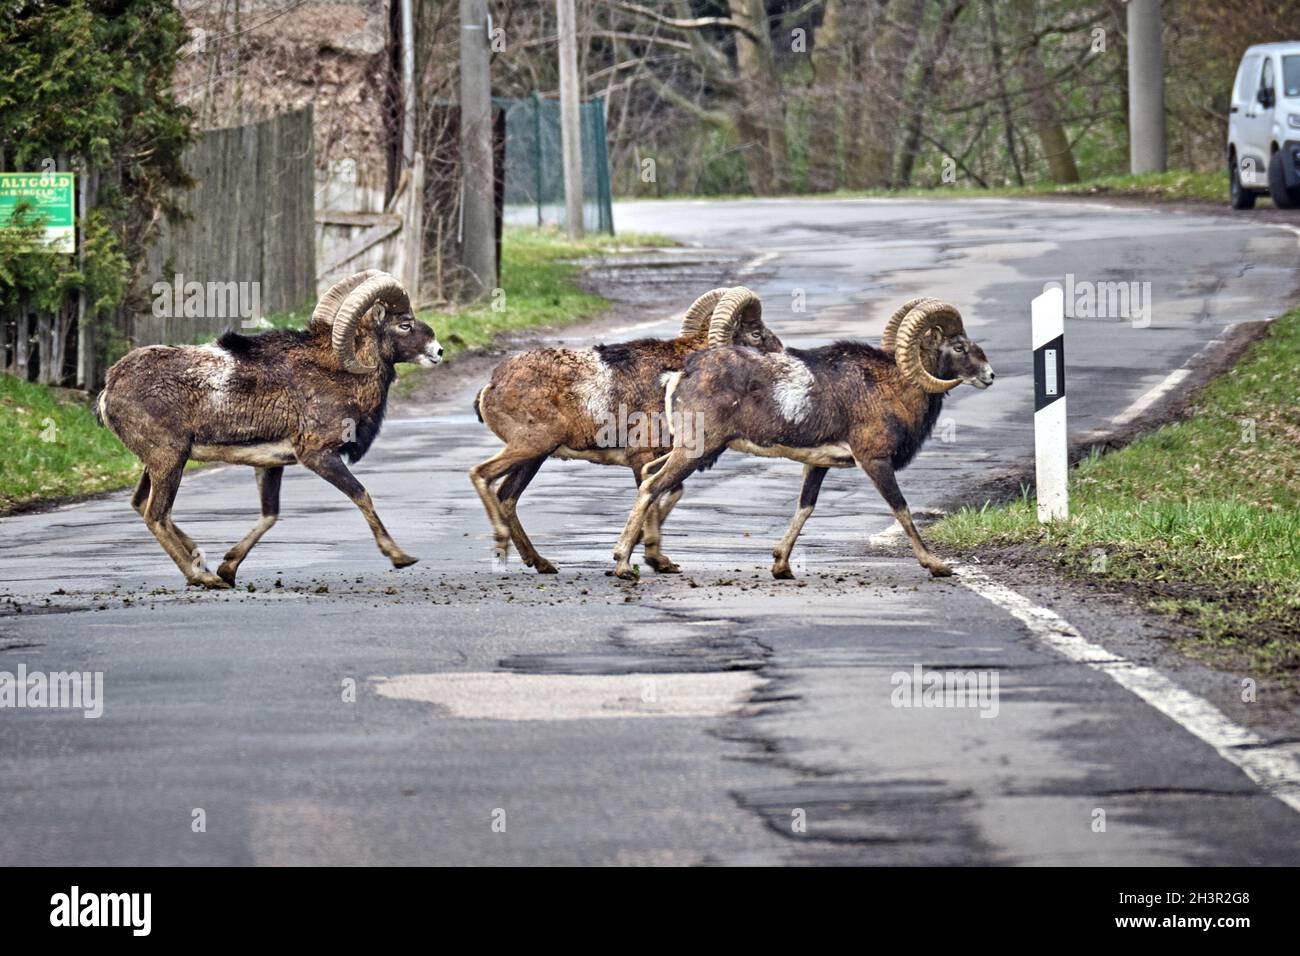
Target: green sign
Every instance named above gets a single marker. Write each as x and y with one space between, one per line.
47 196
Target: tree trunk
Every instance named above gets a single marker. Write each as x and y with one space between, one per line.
830 71
762 104
1042 100
889 36
1008 126
922 80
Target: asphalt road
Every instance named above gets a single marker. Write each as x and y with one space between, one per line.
458 712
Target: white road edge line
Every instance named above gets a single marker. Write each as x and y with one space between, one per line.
1270 765
1167 384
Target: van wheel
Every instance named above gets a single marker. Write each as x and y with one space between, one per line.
1284 196
1242 198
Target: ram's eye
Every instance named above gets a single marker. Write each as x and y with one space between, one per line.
959 349
756 336
404 327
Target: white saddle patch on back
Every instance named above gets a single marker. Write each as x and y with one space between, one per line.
214 367
792 390
595 388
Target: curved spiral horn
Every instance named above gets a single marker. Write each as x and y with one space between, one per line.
734 305
927 315
380 287
889 338
696 319
328 306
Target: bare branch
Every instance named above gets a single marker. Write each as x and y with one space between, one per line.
682 23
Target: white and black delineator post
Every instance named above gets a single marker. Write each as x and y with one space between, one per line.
1051 455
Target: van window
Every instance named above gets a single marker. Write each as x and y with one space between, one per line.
1246 79
1291 75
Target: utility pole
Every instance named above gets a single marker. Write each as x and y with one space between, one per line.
478 207
1146 88
408 85
570 119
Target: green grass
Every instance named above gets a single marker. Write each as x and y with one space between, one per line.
1159 187
1202 516
54 447
539 286
1168 186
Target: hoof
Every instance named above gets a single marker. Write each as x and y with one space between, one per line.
783 573
663 565
208 580
542 566
627 573
403 560
940 570
227 573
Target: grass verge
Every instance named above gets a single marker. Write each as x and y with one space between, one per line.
1173 186
55 448
539 288
1201 517
1180 185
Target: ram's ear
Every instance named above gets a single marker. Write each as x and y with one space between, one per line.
934 334
379 313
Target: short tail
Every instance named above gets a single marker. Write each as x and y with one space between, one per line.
478 398
101 412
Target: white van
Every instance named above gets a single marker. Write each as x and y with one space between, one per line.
1264 127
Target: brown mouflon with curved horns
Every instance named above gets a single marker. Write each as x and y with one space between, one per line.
834 407
604 405
314 397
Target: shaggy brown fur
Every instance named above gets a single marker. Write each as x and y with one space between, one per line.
562 402
265 400
830 407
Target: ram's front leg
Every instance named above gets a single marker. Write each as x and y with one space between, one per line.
881 473
330 466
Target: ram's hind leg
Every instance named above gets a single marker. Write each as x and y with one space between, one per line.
812 485
268 489
881 473
483 475
138 500
511 487
164 482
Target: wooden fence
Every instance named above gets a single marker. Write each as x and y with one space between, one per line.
250 233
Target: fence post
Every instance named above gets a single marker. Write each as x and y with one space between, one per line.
86 371
537 152
413 229
21 340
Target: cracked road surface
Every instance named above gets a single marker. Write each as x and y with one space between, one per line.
456 712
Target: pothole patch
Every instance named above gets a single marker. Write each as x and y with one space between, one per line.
496 695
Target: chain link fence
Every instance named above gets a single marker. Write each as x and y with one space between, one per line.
534 192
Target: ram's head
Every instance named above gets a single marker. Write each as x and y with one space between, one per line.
932 349
373 305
